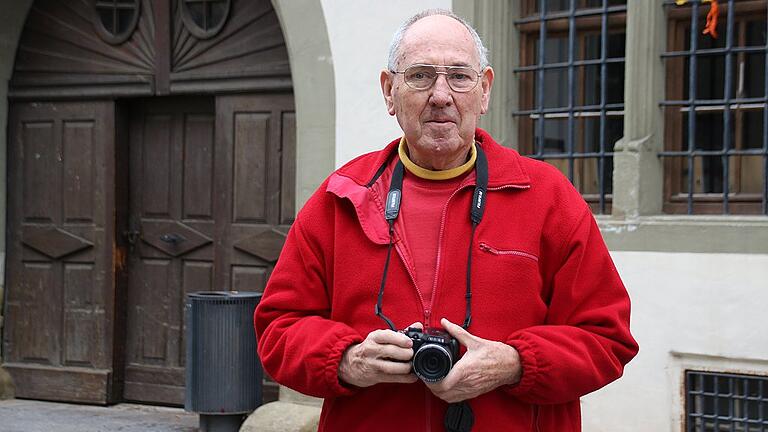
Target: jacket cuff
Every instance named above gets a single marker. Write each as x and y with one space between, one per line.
530 366
332 366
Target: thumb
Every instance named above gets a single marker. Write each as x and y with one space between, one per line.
464 337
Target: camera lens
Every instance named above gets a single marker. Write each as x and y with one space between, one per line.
432 362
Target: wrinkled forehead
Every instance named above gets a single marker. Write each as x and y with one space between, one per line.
438 39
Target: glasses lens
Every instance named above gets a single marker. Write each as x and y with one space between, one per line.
420 77
462 79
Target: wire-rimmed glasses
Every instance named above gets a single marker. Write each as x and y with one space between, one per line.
460 79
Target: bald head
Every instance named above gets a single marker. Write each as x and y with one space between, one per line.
435 16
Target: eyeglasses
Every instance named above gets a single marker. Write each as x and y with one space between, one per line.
423 76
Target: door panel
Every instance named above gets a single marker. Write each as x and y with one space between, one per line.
60 280
256 159
212 198
171 148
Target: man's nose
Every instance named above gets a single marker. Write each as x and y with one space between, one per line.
441 94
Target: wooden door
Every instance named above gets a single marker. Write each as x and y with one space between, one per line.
211 198
171 226
62 258
257 138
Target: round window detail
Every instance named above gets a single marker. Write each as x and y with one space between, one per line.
204 18
116 20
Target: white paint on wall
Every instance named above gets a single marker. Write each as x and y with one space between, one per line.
688 311
359 33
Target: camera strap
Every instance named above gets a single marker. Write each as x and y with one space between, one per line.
392 210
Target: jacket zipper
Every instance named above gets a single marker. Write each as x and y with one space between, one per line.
440 247
488 248
408 269
428 312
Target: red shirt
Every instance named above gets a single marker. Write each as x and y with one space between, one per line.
424 203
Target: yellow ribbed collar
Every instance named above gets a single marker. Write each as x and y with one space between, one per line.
435 175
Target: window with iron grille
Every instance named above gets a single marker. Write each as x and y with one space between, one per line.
720 402
571 78
716 142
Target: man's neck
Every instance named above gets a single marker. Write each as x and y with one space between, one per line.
436 174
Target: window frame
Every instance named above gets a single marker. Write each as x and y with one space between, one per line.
107 35
697 394
636 222
678 156
577 24
193 27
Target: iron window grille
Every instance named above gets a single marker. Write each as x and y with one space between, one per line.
205 18
572 89
115 20
716 160
724 402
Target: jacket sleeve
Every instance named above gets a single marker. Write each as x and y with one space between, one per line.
585 340
299 346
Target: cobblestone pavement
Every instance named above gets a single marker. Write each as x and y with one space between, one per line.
17 415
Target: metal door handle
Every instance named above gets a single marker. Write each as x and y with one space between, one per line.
172 238
131 236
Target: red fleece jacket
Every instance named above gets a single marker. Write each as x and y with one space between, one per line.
543 282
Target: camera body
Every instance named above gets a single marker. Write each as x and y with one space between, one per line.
434 353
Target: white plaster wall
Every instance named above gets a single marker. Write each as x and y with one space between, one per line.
359 33
689 310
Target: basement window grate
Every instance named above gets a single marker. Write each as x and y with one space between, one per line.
725 402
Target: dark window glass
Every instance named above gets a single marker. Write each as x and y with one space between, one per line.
554 6
116 19
721 167
717 402
574 119
205 18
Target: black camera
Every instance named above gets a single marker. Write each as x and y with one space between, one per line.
434 353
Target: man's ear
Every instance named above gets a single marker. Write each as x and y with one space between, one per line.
486 82
385 79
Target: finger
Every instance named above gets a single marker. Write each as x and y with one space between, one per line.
401 379
390 337
464 337
391 367
395 352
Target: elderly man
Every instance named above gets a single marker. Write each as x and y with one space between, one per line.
495 249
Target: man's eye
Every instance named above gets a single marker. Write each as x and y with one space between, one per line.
459 76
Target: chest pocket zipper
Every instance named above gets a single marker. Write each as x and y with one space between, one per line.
492 250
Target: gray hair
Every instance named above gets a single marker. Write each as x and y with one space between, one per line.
397 39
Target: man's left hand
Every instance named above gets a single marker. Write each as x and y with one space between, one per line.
486 365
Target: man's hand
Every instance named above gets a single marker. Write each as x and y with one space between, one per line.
384 356
486 365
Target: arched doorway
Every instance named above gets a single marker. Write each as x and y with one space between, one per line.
151 153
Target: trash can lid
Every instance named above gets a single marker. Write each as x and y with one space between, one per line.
210 295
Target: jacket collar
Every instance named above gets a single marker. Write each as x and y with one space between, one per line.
365 184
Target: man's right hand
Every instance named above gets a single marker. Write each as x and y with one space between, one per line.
383 357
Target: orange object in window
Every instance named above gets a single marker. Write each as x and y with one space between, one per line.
714 10
711 25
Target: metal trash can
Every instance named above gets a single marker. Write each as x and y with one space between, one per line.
224 375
